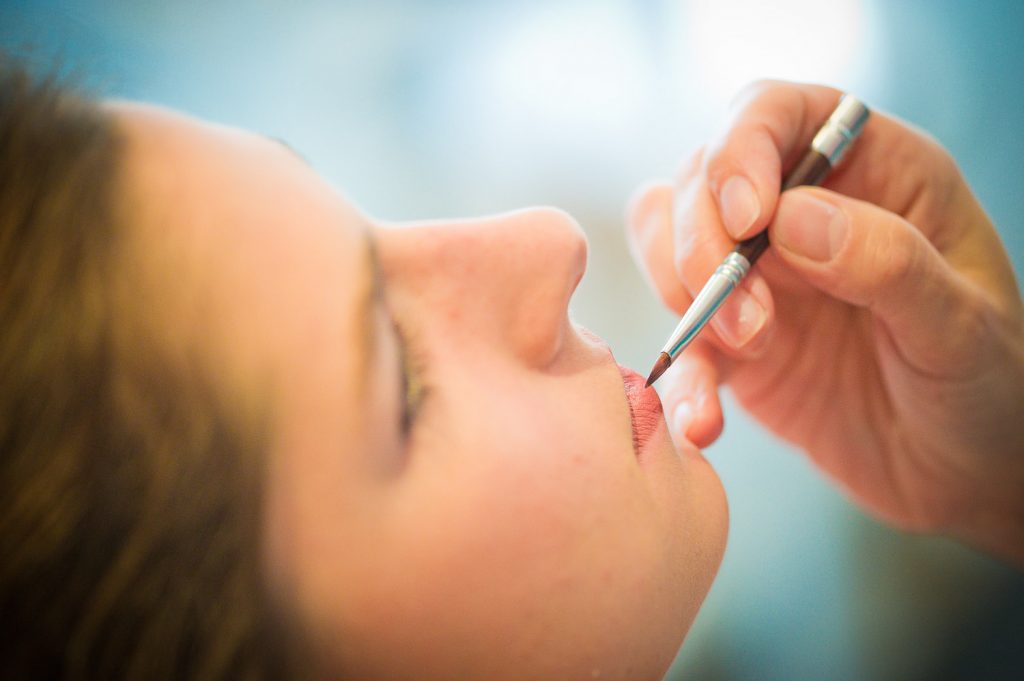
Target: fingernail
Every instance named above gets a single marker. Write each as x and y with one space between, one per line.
810 227
681 417
740 318
740 205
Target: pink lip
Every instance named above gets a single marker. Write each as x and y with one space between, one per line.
645 409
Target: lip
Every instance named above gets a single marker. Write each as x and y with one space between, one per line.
645 410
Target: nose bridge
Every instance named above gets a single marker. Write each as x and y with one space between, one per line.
505 279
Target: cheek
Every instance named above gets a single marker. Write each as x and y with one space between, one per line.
531 520
519 476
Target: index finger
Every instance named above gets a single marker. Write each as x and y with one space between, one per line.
774 123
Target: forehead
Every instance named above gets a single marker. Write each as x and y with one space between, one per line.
240 250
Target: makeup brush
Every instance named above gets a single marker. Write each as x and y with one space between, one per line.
826 150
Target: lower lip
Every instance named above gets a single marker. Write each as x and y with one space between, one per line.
644 408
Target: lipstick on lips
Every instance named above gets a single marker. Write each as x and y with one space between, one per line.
645 411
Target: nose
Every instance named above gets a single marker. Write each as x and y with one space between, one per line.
504 280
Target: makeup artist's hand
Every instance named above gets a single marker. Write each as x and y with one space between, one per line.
883 331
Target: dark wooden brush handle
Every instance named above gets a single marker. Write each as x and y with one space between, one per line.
811 170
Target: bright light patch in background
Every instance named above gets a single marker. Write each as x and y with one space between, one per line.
548 100
730 43
584 98
570 70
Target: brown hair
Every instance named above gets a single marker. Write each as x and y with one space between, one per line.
130 514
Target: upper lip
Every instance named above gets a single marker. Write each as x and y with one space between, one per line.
593 338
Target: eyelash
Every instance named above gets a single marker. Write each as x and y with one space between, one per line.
415 389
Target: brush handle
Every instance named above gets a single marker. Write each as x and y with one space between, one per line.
811 170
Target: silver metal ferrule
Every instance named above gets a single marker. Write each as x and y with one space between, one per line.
842 127
727 277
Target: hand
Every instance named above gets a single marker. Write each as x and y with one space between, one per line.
882 332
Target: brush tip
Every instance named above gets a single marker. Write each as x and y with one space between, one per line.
660 367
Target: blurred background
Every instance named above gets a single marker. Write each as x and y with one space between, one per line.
455 108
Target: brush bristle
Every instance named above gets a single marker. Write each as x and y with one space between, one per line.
660 367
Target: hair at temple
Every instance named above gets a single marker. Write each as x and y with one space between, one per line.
130 506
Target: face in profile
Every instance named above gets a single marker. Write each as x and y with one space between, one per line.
457 485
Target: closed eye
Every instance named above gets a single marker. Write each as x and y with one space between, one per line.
412 371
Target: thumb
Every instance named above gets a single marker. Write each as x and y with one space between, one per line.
871 258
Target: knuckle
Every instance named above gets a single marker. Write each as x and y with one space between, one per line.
645 207
690 242
742 152
975 324
753 90
933 174
898 258
663 280
690 167
674 299
942 170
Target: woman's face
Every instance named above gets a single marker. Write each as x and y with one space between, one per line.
456 488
